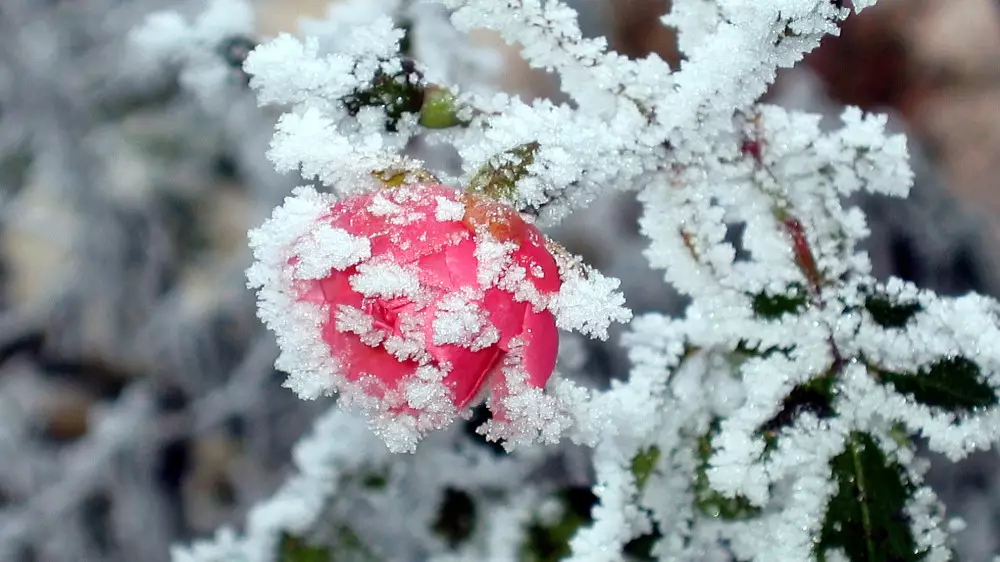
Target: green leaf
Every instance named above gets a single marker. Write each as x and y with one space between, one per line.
709 501
772 307
743 350
294 549
641 547
643 465
550 543
954 384
890 314
375 481
815 396
866 517
399 93
456 517
350 547
15 165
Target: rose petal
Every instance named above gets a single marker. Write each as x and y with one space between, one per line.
541 346
406 236
360 359
451 268
505 313
539 263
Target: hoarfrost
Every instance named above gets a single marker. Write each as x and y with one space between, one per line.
387 280
788 351
329 248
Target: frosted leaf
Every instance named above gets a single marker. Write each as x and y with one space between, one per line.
166 38
694 20
561 173
589 303
338 445
289 70
312 142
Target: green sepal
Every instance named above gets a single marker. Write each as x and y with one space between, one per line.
499 176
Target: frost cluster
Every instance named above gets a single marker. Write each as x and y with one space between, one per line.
773 421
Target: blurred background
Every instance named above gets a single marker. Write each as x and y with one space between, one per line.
138 402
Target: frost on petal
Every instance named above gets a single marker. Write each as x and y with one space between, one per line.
328 248
381 206
523 413
386 280
427 392
460 321
493 258
304 356
448 209
355 321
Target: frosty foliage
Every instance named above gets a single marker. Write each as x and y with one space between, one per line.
166 38
773 421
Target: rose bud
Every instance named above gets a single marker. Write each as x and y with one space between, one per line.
408 302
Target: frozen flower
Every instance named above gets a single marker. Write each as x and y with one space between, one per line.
407 301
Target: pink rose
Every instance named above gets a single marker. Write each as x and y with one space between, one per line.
421 295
